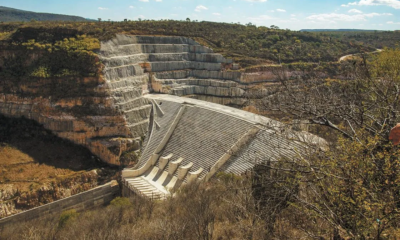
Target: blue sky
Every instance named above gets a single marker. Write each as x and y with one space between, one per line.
292 14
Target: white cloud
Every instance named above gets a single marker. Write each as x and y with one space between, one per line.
255 0
260 19
217 14
280 10
140 16
390 3
158 0
131 7
345 17
354 11
200 8
144 0
349 4
377 14
102 8
293 15
391 22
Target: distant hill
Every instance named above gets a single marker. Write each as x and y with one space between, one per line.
16 15
338 30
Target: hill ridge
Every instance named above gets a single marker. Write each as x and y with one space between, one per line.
8 14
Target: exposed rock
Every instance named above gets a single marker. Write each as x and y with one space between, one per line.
395 135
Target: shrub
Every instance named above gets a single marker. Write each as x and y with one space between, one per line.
121 202
66 217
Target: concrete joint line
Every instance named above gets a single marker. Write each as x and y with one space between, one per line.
233 150
170 130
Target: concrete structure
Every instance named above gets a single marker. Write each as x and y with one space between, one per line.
191 140
186 139
83 201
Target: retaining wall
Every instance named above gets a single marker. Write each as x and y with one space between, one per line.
95 197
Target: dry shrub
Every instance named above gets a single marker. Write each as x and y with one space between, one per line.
251 109
221 209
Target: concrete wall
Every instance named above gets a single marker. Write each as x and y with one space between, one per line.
82 201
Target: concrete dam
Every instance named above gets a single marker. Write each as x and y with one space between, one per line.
188 139
164 96
191 140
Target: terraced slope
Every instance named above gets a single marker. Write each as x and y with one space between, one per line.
175 65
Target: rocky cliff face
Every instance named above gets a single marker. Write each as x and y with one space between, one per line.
107 114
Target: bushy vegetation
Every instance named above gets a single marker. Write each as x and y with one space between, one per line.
247 44
376 39
66 217
68 57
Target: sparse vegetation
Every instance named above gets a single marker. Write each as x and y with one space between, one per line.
219 210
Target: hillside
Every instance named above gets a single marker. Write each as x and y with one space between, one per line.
16 15
247 44
338 30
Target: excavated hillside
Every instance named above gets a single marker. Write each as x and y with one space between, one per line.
105 110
